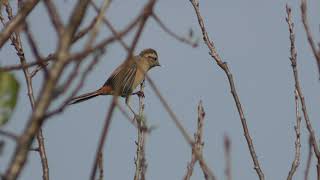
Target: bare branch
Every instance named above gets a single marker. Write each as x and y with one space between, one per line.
17 20
223 65
312 44
95 28
296 160
293 59
114 32
198 147
102 44
140 160
45 97
54 16
146 12
36 53
16 42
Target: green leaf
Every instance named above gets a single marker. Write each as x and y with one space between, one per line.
9 88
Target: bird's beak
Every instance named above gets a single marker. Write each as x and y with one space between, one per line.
158 64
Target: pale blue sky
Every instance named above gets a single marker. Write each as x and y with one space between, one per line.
252 36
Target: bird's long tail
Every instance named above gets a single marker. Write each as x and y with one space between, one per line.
85 97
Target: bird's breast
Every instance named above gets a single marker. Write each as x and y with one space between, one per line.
140 74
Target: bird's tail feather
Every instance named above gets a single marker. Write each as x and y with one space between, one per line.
84 97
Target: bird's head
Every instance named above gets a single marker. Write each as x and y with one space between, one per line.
151 56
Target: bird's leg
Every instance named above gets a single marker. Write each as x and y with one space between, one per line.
128 104
136 116
140 93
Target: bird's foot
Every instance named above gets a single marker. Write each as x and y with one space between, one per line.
139 93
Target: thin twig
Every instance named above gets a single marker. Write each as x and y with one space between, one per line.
9 135
224 66
227 154
198 145
15 67
23 13
36 53
190 167
199 142
293 59
54 16
177 122
103 137
84 53
146 13
296 161
95 29
84 31
100 166
315 51
307 170
173 34
114 32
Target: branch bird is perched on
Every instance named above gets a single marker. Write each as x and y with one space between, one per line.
124 80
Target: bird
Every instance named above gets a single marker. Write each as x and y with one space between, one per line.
125 78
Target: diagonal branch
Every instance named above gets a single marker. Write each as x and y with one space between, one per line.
114 32
173 34
177 122
54 16
224 66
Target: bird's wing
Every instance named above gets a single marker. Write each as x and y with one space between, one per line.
122 78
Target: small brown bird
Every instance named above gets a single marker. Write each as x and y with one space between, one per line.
124 80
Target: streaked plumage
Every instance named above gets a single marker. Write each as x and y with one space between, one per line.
124 79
